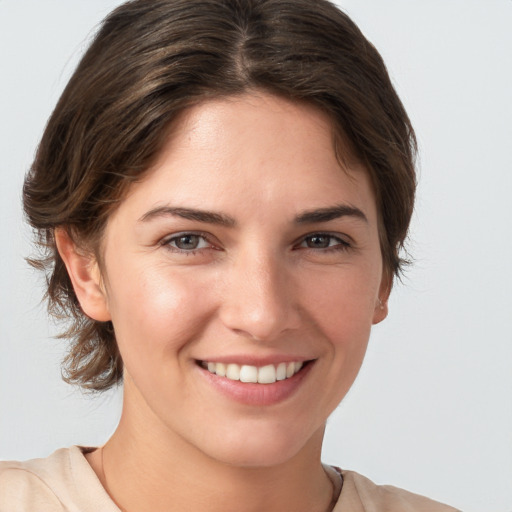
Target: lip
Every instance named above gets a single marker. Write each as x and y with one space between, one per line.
256 394
256 360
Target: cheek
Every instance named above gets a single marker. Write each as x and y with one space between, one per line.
156 312
342 301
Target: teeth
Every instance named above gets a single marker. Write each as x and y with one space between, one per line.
248 374
263 375
233 372
267 374
281 371
220 369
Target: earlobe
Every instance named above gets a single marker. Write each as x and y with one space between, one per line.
381 304
84 273
380 312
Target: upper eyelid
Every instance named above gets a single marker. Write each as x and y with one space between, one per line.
166 240
343 237
212 240
172 236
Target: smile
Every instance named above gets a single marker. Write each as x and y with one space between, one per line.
267 374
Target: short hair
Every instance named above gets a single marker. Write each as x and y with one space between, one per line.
150 61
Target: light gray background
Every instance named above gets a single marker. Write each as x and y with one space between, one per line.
432 408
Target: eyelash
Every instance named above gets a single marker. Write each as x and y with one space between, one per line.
340 245
166 242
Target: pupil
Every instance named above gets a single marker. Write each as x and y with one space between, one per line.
319 241
187 242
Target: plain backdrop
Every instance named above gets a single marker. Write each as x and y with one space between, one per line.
431 410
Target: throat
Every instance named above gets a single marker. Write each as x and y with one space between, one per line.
135 485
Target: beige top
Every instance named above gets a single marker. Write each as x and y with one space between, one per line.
64 481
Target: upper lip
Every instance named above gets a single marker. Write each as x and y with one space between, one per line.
258 361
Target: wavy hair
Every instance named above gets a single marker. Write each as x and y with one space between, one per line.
151 60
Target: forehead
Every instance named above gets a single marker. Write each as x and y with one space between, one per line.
254 149
257 119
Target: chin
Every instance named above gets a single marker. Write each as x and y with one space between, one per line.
255 456
263 447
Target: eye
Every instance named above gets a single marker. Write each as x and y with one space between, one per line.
187 242
324 241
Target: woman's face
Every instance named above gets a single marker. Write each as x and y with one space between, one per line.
247 249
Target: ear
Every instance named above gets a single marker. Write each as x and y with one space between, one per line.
84 272
381 304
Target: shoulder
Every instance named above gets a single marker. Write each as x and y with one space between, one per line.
64 481
28 486
362 495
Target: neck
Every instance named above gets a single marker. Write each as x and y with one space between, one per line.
150 469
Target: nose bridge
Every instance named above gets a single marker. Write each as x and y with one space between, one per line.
259 299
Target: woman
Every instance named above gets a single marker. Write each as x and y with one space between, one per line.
223 191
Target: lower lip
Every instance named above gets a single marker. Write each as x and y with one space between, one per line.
257 394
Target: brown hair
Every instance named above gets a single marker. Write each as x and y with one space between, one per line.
151 60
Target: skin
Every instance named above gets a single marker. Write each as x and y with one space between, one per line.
261 286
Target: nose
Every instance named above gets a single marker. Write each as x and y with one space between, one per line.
259 300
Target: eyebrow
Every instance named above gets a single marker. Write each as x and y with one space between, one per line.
190 214
331 213
208 217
